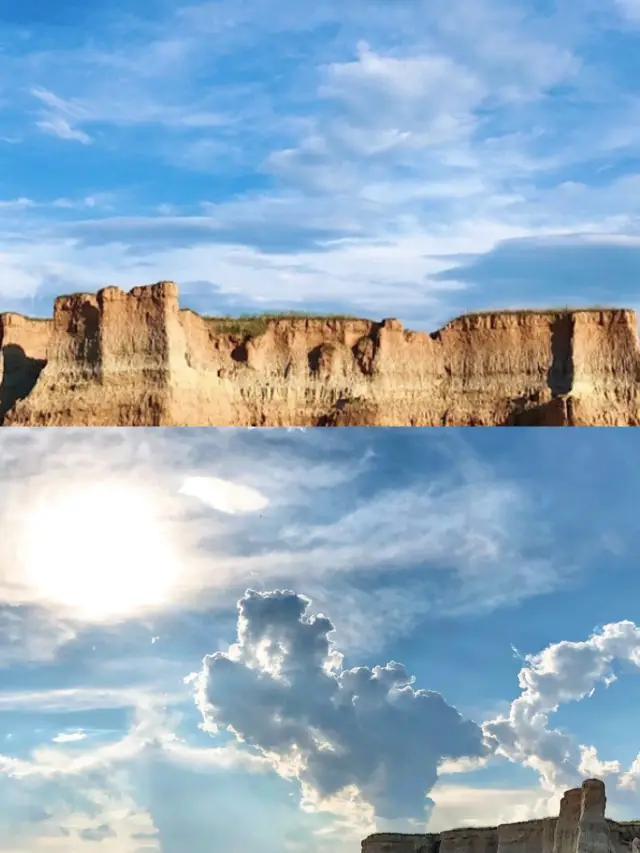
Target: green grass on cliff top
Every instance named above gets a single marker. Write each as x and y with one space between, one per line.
257 324
560 309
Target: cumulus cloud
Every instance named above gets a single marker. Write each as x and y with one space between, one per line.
563 672
282 690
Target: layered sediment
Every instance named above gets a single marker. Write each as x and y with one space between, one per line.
136 359
581 827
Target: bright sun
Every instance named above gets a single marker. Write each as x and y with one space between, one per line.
98 551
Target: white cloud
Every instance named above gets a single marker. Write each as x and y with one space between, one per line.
31 634
152 732
52 762
518 55
216 757
73 204
631 778
60 116
591 766
50 99
69 737
149 730
223 495
77 819
60 127
470 805
282 690
70 699
16 203
421 101
563 672
462 765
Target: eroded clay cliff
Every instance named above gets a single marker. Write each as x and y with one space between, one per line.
135 359
581 827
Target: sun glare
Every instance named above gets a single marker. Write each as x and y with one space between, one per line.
98 551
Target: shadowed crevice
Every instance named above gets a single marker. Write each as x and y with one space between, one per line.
89 322
239 353
19 376
314 359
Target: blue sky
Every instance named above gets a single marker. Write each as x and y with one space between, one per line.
409 158
285 639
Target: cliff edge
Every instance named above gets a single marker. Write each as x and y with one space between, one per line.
113 358
581 827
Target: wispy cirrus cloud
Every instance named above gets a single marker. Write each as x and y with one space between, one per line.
60 127
60 117
453 545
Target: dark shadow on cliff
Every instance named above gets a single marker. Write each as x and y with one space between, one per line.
560 373
556 412
91 317
19 376
350 411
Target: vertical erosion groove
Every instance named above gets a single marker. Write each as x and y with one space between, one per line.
560 375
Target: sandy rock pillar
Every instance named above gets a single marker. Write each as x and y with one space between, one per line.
593 829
